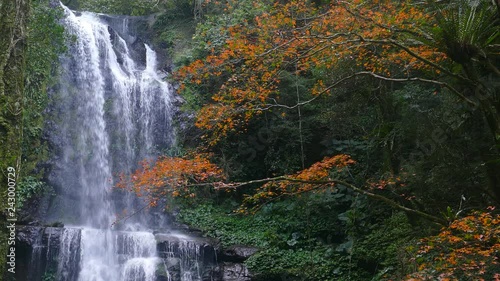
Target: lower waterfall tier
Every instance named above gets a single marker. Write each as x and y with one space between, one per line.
59 252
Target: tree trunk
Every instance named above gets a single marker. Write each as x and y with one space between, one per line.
491 150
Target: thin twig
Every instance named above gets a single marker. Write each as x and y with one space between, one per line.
329 182
129 216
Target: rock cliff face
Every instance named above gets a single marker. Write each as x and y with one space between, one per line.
54 252
38 251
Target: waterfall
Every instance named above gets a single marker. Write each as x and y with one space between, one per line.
110 109
36 257
86 152
69 257
113 110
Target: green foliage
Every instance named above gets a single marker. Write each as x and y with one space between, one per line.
384 246
231 229
212 32
192 100
179 9
29 187
173 33
46 42
321 236
280 232
419 133
466 28
302 264
13 18
121 7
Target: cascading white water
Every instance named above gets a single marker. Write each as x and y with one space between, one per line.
112 111
36 256
138 249
189 252
150 83
69 256
87 150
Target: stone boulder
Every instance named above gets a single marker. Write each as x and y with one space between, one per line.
234 272
237 253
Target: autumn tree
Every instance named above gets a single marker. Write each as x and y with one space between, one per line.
468 249
450 47
174 177
332 44
171 177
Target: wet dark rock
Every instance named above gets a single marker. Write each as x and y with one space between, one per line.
235 272
173 264
28 234
162 278
171 268
37 249
34 223
237 253
171 244
162 274
56 224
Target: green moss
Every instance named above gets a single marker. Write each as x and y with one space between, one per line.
24 79
12 65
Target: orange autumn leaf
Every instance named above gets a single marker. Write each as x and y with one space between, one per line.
315 178
469 249
301 36
170 176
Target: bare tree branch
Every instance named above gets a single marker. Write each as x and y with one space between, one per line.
367 73
219 185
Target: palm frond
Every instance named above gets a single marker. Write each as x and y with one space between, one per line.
466 28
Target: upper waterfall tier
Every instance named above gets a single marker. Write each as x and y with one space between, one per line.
110 110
